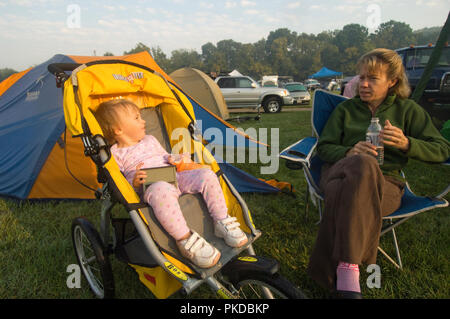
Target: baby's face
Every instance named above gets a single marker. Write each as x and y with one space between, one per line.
131 124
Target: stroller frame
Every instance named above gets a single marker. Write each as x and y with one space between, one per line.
225 279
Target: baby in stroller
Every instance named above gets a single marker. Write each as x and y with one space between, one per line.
132 149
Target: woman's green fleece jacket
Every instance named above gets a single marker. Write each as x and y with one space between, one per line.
348 123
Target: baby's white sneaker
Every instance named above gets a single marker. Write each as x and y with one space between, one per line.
228 229
199 251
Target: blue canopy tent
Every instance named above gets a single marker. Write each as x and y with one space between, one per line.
324 73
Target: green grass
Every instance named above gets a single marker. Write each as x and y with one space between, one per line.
36 248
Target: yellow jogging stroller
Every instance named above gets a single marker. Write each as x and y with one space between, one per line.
139 240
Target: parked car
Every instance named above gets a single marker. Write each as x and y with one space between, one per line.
435 98
299 92
415 59
243 91
312 84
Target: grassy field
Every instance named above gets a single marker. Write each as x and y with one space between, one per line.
36 248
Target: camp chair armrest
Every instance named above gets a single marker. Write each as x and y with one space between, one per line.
300 151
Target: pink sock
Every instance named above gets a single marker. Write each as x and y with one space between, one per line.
347 277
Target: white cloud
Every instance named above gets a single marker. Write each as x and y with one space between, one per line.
106 23
430 3
247 3
206 5
251 12
24 3
347 8
294 5
316 7
230 4
109 8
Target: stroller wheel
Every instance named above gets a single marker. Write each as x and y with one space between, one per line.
91 257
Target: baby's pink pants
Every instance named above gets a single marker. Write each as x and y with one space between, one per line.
163 198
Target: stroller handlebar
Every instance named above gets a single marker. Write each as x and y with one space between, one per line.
56 68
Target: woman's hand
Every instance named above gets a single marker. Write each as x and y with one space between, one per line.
139 176
362 147
393 136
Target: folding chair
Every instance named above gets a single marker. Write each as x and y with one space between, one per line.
302 155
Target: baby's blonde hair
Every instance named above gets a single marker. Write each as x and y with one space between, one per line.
108 116
373 61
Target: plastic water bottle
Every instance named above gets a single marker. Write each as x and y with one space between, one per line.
373 137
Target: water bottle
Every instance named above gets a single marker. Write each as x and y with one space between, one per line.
373 137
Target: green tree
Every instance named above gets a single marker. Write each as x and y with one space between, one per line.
4 73
351 35
280 56
185 58
427 35
160 57
393 35
305 56
231 54
138 48
213 59
287 52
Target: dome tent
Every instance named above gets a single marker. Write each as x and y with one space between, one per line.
39 161
203 89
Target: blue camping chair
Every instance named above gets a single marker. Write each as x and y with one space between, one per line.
302 155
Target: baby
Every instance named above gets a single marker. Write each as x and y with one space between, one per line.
132 149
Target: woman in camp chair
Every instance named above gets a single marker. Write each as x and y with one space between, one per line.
123 127
359 192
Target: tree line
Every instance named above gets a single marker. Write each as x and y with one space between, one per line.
287 52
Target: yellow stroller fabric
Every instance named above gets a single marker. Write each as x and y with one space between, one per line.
96 82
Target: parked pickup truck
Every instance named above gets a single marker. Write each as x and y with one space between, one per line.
243 91
415 58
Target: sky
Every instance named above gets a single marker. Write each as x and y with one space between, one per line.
32 31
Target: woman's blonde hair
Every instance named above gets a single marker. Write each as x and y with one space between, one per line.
396 71
108 116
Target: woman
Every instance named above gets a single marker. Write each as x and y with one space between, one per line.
359 192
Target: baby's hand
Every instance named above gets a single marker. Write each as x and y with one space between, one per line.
186 158
139 176
177 158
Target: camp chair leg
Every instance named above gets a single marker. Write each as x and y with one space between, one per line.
388 257
319 207
306 204
399 265
397 250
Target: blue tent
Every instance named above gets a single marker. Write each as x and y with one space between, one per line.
324 73
34 148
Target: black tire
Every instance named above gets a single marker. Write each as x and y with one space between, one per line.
92 259
250 284
272 105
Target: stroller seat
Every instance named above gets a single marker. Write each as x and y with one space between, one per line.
194 210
